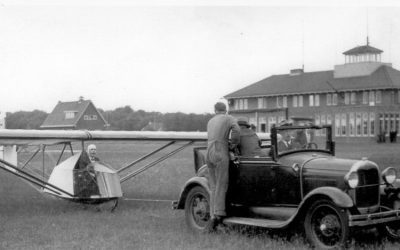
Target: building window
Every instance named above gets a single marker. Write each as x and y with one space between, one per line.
85 117
317 122
334 99
337 124
365 97
300 101
378 96
344 123
347 98
294 100
316 100
358 124
365 124
387 124
94 117
328 99
284 101
278 102
311 100
371 124
262 103
353 97
70 114
328 119
323 122
262 121
381 123
351 124
241 104
372 98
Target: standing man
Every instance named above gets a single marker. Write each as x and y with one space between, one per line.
219 128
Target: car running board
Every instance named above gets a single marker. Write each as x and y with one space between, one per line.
256 222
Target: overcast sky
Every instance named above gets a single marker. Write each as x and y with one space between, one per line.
174 57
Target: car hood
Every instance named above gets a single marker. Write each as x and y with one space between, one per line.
317 161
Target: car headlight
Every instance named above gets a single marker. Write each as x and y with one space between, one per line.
389 175
351 179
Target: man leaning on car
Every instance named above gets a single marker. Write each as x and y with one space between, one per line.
218 130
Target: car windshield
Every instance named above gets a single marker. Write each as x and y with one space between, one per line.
293 139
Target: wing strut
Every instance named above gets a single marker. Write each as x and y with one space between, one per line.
30 158
145 157
133 174
32 179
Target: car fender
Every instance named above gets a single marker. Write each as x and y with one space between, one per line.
340 198
192 182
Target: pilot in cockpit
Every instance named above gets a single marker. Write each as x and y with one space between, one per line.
91 150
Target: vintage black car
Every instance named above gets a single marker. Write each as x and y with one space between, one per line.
301 185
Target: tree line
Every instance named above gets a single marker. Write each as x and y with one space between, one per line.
122 118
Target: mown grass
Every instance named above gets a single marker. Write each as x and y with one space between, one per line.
30 220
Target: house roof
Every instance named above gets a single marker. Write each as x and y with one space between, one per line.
363 50
319 82
57 117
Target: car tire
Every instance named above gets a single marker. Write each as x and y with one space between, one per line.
197 209
326 225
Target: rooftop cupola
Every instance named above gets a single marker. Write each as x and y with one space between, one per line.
364 53
360 61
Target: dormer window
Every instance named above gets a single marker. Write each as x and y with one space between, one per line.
70 114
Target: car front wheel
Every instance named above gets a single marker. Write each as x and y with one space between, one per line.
197 209
326 225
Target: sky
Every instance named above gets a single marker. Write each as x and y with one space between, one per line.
175 56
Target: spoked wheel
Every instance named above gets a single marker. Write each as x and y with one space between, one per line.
197 209
326 225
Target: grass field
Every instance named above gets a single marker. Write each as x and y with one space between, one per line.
30 220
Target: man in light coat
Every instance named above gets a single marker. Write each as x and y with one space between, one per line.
219 128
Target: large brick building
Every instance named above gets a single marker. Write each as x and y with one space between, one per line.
360 98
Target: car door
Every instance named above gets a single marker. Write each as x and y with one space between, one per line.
252 181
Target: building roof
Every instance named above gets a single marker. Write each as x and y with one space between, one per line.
319 82
57 117
366 49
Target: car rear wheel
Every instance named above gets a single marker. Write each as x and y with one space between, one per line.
326 225
197 209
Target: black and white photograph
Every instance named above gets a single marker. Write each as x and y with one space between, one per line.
199 124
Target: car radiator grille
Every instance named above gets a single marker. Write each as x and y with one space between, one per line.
367 192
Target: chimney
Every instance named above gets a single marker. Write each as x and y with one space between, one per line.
296 72
80 99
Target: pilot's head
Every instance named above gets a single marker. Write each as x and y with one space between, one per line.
91 150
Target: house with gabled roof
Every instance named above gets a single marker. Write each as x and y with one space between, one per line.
81 114
360 99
